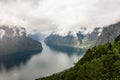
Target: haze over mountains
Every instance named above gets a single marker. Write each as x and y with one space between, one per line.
81 39
84 38
70 26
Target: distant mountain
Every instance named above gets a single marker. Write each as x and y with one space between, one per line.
79 39
14 39
109 33
37 36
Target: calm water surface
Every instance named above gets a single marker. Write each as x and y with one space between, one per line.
29 66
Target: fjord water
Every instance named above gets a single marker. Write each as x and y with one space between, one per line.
29 66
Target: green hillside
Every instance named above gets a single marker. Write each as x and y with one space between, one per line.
99 63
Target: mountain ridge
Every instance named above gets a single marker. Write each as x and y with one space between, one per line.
109 33
78 39
14 39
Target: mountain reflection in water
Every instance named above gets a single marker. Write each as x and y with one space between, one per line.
68 50
29 66
10 60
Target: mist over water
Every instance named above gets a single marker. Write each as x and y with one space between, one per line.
47 62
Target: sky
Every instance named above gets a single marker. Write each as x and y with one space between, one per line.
47 16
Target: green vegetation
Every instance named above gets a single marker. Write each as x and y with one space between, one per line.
99 63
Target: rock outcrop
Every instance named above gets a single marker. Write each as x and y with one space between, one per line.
109 33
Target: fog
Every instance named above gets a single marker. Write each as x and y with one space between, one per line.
51 15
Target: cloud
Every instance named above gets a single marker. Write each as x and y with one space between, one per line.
49 15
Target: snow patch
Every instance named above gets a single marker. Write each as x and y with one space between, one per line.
21 31
2 33
15 33
100 31
18 31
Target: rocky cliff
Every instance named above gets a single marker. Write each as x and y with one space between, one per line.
109 33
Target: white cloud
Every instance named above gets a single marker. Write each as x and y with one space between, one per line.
47 15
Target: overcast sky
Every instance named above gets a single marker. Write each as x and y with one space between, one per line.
49 15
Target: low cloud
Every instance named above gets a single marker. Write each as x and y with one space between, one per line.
48 15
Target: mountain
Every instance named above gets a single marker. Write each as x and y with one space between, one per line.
14 39
38 36
80 39
109 33
99 63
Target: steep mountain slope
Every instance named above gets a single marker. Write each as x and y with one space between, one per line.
109 33
81 39
14 39
99 63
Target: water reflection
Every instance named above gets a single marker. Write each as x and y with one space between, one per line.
15 59
68 50
48 62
